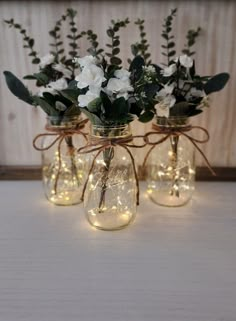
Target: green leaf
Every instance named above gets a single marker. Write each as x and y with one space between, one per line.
17 87
134 50
71 94
31 42
92 117
36 61
119 107
72 110
115 51
110 33
48 109
105 100
146 116
116 61
180 109
116 43
95 105
216 83
171 53
41 77
171 45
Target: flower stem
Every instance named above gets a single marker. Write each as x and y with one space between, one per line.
107 157
174 162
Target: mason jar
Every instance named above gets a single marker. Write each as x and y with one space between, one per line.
110 195
63 170
170 167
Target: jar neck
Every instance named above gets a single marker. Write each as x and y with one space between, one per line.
172 121
121 131
63 122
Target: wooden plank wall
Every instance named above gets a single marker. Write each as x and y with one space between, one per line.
216 52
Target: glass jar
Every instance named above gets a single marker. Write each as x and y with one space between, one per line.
63 170
110 195
170 167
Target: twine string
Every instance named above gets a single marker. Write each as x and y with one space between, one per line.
177 131
60 134
101 144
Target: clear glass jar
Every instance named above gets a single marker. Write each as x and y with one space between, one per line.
63 170
110 195
170 167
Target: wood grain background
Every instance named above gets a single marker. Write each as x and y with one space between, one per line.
216 52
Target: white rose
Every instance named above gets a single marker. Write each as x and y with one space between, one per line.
46 60
86 61
90 95
186 61
122 74
168 71
91 75
61 68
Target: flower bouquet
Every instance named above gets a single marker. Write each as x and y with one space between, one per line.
62 169
181 94
105 92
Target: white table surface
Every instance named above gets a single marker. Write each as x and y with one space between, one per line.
171 264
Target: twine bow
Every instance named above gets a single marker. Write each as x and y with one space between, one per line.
177 131
101 144
60 134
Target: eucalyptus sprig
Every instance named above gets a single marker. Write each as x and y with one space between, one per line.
115 40
141 48
191 39
166 34
74 36
55 34
28 41
92 38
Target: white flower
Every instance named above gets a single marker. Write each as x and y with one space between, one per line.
194 92
86 61
59 84
122 74
150 69
90 95
116 85
46 60
163 107
53 87
168 71
186 61
123 94
91 75
61 68
167 90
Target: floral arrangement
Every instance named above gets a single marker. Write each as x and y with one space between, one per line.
105 89
175 90
56 70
